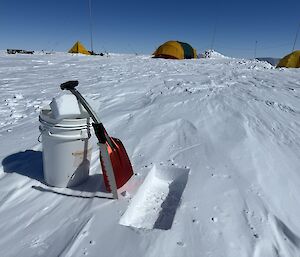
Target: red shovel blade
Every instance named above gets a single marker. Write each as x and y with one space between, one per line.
120 163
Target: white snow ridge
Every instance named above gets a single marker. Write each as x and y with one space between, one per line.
210 53
156 201
219 139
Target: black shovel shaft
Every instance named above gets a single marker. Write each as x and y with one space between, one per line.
86 106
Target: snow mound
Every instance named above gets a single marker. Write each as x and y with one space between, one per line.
271 60
212 54
67 106
155 203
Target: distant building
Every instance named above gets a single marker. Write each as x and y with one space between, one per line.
18 51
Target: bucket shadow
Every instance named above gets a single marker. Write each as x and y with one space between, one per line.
28 163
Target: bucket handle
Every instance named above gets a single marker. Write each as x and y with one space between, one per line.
39 138
41 129
70 137
65 137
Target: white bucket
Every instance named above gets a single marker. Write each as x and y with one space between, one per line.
66 149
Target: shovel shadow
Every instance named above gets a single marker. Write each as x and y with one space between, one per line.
94 183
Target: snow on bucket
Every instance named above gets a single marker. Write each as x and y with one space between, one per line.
155 203
66 149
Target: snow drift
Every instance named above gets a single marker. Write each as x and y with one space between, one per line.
210 53
233 124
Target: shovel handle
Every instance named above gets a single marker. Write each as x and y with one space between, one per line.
69 85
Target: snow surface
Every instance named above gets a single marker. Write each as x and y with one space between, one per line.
271 60
233 124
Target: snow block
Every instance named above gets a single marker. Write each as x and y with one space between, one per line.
65 106
155 203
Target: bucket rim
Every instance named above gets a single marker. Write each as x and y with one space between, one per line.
46 119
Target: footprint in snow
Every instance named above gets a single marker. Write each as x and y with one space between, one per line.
195 221
214 219
180 243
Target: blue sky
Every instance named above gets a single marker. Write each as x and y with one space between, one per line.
140 26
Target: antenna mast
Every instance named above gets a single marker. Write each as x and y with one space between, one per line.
91 31
296 37
213 37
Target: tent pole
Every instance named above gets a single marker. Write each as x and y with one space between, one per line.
90 7
296 38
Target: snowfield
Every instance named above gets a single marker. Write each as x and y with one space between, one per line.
229 127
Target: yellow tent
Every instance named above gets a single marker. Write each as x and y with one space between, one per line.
292 60
78 48
175 50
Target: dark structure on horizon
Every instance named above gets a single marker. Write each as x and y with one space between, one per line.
18 51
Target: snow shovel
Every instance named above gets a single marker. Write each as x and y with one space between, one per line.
115 163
